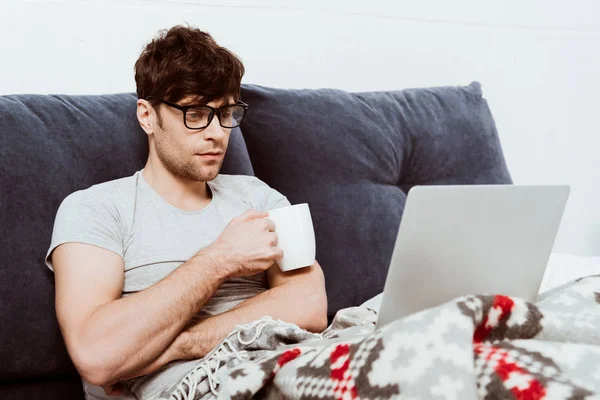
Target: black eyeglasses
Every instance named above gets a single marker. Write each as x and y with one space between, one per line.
199 117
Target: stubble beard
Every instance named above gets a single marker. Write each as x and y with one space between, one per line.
186 169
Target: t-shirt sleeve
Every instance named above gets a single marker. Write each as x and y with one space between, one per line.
275 200
84 218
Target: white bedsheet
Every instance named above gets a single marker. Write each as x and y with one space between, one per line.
563 268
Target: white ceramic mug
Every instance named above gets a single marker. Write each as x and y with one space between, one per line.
296 236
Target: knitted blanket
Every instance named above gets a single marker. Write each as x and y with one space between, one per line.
475 347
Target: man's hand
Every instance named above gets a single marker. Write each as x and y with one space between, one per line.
177 350
248 244
113 389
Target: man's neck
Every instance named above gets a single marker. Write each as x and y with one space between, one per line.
184 194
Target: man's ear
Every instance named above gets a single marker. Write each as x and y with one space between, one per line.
145 116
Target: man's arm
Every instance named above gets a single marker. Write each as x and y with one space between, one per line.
247 246
297 296
108 335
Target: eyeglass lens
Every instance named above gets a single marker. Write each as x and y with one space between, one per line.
200 117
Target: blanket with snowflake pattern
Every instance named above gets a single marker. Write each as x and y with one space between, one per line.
475 347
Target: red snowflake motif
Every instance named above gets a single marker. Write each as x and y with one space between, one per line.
344 385
505 305
288 356
285 358
521 383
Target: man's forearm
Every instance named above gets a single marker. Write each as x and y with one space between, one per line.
301 302
294 302
199 339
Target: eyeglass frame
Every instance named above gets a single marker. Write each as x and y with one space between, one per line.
213 112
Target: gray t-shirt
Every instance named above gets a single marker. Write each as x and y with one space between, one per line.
128 217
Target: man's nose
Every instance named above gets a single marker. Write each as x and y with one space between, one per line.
214 130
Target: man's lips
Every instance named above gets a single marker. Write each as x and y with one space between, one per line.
211 154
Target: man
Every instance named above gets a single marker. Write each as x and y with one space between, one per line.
155 269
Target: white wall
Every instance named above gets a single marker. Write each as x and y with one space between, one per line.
538 62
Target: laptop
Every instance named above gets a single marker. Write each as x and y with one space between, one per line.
456 240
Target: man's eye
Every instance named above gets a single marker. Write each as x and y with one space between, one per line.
196 114
227 113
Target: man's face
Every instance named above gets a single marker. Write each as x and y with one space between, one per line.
183 151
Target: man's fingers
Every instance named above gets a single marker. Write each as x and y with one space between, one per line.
278 253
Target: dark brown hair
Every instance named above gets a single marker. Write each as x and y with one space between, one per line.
185 61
